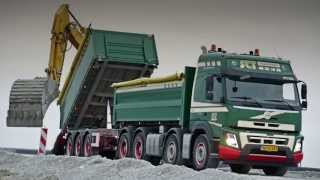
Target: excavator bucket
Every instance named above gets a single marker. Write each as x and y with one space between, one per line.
29 101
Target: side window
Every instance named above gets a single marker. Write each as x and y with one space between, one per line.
213 89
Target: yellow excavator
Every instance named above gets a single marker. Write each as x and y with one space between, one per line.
30 98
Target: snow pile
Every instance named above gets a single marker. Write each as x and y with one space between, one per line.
16 166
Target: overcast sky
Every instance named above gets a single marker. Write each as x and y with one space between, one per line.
285 28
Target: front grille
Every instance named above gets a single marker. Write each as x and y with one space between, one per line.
267 140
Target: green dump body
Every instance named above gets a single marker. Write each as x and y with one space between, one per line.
166 103
108 57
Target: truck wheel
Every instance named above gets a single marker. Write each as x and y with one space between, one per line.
69 148
87 149
123 149
155 160
200 153
240 168
77 146
171 150
275 171
139 149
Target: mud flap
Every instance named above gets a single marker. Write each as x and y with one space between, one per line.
213 161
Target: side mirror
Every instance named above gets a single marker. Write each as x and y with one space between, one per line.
304 104
209 87
303 91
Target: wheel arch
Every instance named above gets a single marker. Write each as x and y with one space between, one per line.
128 129
177 131
201 128
144 130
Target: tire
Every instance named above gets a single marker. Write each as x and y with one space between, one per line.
86 147
240 168
139 146
124 149
275 171
110 154
171 150
69 146
59 147
200 152
156 161
77 146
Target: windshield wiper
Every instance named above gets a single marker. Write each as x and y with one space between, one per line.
281 101
248 98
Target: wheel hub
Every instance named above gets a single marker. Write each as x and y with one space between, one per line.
87 149
171 152
201 153
138 150
123 149
78 148
69 149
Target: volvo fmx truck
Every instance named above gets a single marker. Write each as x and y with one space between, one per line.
240 109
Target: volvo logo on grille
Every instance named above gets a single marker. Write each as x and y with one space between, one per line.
267 115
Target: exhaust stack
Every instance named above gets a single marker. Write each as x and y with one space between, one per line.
257 52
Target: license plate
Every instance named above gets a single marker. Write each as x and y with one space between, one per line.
269 148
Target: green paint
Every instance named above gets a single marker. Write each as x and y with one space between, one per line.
110 46
157 103
174 105
255 69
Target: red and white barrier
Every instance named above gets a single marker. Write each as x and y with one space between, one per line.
43 141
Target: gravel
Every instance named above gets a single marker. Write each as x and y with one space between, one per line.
50 167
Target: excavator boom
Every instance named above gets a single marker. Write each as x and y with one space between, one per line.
30 98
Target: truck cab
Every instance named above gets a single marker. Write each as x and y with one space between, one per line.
250 106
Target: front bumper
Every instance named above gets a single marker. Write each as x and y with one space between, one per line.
252 155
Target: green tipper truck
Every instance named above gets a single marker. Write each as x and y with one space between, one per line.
242 109
108 57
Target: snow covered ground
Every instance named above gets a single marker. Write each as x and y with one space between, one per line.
16 166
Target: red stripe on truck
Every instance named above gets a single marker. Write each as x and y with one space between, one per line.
228 153
231 154
267 158
297 157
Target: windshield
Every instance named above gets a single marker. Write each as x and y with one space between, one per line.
260 94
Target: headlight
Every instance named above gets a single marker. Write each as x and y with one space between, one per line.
231 140
298 146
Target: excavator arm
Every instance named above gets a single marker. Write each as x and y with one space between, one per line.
63 31
30 98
